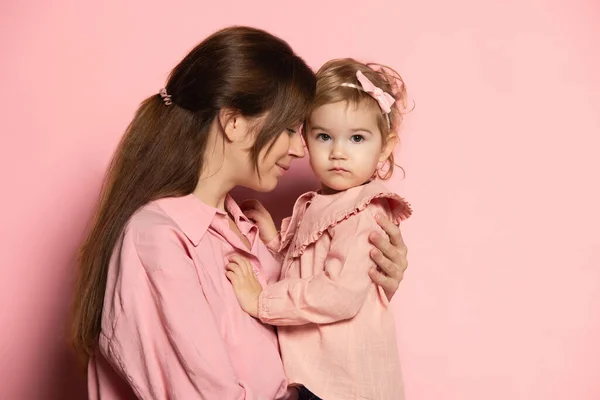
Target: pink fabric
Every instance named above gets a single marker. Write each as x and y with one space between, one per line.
172 327
336 332
385 100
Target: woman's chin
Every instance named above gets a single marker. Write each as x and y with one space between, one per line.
264 186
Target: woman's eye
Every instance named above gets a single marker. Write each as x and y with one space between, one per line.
357 138
291 131
323 137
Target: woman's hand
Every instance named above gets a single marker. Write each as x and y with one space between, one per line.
256 212
389 255
246 286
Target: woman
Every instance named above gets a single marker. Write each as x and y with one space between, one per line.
154 311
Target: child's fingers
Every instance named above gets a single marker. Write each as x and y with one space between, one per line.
248 269
248 205
231 276
259 207
236 274
245 268
235 269
236 259
253 206
251 214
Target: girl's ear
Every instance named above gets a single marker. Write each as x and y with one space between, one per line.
388 147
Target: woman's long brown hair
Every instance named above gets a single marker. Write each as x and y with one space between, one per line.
161 152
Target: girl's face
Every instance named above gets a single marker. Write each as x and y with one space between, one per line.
345 144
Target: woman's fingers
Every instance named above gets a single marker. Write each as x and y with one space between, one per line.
395 251
386 249
390 256
383 280
387 266
393 231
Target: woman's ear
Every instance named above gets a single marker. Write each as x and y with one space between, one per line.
235 126
388 147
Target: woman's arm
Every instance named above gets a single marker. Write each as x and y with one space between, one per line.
159 332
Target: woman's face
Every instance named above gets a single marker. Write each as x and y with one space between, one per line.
273 161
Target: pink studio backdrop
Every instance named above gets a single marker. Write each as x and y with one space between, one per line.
502 297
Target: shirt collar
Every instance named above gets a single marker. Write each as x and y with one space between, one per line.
235 210
192 215
307 224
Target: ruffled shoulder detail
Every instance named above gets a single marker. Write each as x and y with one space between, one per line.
327 211
289 225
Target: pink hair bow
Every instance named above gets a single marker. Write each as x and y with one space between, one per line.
385 100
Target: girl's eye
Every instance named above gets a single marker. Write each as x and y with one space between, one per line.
323 137
357 138
291 131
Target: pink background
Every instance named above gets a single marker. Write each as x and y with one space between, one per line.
502 297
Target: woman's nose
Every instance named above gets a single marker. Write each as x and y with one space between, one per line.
297 146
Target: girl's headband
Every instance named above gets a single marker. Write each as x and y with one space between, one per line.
384 99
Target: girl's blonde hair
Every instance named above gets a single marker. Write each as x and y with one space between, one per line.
331 78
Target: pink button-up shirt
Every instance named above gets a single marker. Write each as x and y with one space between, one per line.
336 332
172 327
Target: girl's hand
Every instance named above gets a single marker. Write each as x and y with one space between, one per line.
246 286
255 211
389 255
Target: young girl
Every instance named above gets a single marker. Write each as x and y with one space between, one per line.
336 332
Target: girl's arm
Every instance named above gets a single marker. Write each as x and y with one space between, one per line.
255 211
334 295
389 254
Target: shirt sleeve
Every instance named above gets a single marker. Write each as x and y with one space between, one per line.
274 247
164 339
334 295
